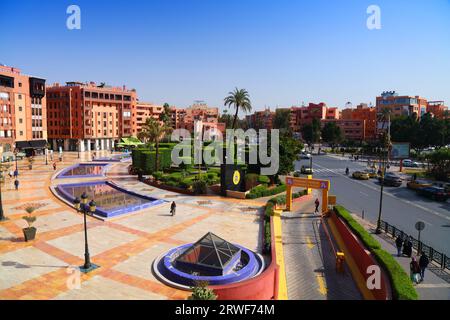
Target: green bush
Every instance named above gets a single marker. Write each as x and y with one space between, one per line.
263 191
264 179
158 175
200 187
402 286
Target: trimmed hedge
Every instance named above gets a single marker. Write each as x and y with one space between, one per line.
263 191
264 179
402 287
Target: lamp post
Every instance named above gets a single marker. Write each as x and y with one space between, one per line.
383 174
83 206
46 158
17 167
2 215
78 147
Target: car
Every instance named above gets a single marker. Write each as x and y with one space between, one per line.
410 164
306 170
360 175
305 155
433 192
444 185
391 179
372 173
418 184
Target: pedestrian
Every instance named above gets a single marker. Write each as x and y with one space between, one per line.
317 203
11 174
16 184
407 248
16 173
415 176
60 157
414 269
173 207
423 264
399 245
54 165
51 155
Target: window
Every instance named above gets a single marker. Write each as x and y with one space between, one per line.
21 120
20 84
20 97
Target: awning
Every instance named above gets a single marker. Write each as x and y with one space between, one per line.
32 144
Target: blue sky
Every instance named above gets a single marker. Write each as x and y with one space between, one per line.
283 52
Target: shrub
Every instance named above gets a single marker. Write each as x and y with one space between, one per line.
200 187
251 180
201 292
264 179
158 175
402 287
263 191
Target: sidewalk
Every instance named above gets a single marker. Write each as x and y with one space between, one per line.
310 260
436 285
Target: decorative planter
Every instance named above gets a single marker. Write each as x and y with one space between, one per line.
29 233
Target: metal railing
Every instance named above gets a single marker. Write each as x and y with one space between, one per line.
441 259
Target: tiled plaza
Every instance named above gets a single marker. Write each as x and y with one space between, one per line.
124 247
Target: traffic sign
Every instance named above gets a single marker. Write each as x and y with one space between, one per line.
420 225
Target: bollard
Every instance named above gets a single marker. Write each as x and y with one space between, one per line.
340 262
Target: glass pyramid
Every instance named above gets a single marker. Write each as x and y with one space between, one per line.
209 255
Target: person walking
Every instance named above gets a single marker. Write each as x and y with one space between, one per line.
423 264
317 203
407 248
11 174
414 270
173 207
54 165
16 174
16 184
415 176
399 245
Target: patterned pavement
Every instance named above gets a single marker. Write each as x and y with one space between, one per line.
124 247
310 260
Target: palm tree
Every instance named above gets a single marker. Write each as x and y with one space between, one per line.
154 131
240 99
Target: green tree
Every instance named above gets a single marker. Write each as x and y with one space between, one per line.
289 151
154 131
165 116
331 133
440 163
239 99
311 132
282 119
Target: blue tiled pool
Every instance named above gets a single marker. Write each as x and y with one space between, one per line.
111 200
84 170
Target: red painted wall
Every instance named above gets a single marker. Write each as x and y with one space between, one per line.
262 287
361 256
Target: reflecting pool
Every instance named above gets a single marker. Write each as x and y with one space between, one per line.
111 200
83 170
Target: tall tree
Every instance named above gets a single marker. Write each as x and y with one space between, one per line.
165 116
239 99
311 132
331 133
282 119
154 131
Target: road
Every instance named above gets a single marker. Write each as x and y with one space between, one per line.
401 206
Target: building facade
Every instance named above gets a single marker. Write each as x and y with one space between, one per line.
438 109
261 119
401 105
86 116
146 110
364 113
23 115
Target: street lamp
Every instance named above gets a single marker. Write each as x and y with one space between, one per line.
83 206
15 154
2 215
78 147
383 174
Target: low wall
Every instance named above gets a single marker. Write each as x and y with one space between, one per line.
261 287
358 259
236 194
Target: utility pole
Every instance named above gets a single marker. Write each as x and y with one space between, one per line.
383 173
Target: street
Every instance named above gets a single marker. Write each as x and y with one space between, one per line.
401 206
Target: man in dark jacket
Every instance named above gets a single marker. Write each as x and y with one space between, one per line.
173 207
423 264
399 244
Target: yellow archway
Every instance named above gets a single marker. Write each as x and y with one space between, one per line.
307 183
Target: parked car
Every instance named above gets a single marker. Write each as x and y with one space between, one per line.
306 170
410 164
444 185
418 184
391 179
360 175
435 193
305 155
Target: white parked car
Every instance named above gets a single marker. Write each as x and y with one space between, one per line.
410 164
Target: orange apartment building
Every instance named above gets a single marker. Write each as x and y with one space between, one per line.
401 105
438 109
261 119
364 113
86 116
23 115
198 112
146 110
